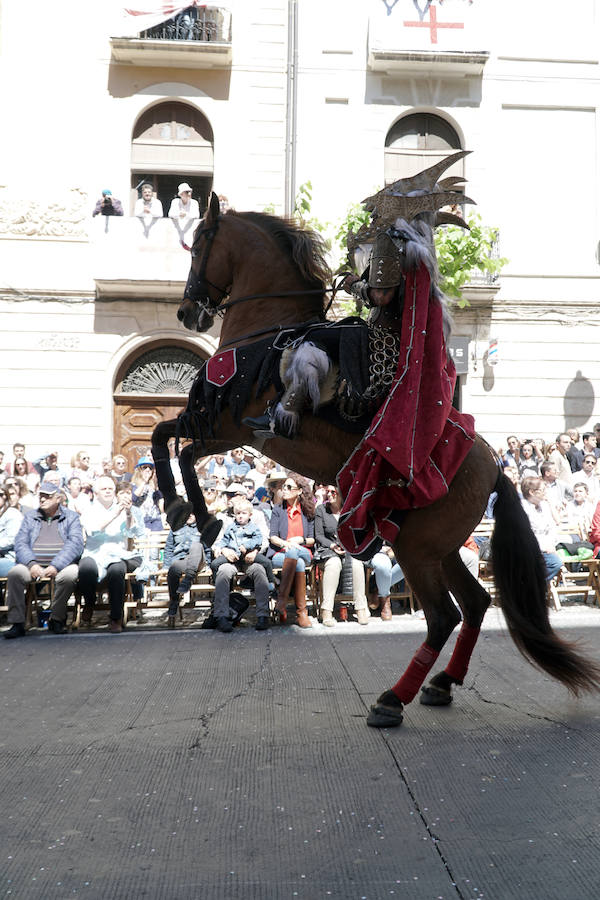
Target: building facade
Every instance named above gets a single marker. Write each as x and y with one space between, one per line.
253 100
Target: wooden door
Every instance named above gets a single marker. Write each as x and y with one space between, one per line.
135 418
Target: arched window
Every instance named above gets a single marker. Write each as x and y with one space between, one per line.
172 142
417 141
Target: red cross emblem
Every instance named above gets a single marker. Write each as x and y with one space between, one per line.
433 24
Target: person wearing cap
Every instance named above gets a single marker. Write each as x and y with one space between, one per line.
183 208
108 205
146 495
49 543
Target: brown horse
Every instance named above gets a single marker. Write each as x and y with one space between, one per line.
237 259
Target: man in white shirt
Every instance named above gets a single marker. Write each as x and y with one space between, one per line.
589 477
148 206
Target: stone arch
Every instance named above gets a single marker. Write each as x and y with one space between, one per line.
419 139
151 385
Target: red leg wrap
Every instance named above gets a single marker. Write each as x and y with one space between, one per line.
459 661
406 689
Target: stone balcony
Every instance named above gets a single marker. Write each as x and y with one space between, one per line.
133 258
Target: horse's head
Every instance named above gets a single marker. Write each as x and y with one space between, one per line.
202 296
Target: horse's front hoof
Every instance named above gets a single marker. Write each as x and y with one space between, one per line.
434 696
178 512
210 531
386 712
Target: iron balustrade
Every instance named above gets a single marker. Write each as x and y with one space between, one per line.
192 24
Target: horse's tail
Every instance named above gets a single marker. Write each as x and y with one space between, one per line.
520 578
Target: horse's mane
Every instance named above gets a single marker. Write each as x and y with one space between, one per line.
306 248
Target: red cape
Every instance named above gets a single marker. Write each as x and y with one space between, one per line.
416 442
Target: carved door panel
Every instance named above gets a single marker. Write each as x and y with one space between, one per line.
135 418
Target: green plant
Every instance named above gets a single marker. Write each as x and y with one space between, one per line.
302 212
461 252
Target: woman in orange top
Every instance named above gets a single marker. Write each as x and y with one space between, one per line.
292 534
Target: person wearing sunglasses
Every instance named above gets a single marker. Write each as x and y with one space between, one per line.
334 559
292 535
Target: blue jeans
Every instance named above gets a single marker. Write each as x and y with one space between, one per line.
300 554
386 573
553 565
5 566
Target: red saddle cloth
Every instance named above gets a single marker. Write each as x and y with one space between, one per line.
416 441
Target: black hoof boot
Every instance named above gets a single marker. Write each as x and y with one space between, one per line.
210 531
178 512
386 712
434 696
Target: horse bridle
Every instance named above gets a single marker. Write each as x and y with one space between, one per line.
196 288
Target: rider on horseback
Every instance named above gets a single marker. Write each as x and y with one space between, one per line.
397 241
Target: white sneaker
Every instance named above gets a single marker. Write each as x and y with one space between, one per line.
328 620
363 616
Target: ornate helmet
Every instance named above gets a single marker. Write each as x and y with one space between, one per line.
418 197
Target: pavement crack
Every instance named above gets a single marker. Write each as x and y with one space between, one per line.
205 718
516 709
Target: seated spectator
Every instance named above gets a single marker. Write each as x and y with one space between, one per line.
387 572
184 556
109 523
331 553
513 475
175 467
16 490
148 206
590 445
48 544
528 463
557 492
589 476
49 463
19 453
77 499
580 511
274 485
559 457
574 454
237 551
292 534
215 500
183 209
259 473
543 522
10 522
146 495
108 205
511 457
81 467
119 471
238 467
218 467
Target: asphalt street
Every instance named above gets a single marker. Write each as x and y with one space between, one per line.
191 764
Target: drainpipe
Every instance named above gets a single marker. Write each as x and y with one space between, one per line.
291 108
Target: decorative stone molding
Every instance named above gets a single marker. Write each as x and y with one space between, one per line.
59 342
63 217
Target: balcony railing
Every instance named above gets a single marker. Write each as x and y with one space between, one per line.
191 24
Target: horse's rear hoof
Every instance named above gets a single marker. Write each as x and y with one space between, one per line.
432 696
178 512
210 531
386 712
380 717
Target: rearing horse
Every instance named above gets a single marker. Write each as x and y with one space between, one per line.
263 274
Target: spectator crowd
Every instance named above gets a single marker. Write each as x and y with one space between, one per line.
83 523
